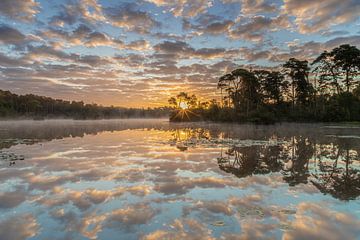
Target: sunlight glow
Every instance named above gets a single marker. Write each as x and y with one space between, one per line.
183 105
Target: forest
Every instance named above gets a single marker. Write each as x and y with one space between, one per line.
323 90
39 107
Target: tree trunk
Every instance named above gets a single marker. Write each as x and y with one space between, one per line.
293 95
347 81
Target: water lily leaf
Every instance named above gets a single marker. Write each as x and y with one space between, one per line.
218 223
254 211
287 211
285 226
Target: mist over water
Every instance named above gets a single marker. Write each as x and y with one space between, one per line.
151 179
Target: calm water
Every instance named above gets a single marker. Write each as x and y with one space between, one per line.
149 179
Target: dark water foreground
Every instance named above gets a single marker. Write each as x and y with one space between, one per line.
150 179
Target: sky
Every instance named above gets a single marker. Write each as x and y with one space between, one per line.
140 53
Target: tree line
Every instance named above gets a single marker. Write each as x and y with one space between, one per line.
326 89
40 107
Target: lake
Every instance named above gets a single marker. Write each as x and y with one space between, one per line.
151 179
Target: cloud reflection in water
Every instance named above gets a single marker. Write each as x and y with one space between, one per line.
101 180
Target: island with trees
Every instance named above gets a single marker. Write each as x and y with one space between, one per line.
325 90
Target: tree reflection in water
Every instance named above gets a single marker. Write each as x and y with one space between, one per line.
340 176
329 162
334 170
244 161
188 137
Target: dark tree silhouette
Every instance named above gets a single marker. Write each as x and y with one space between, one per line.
273 85
327 73
347 60
242 87
231 84
298 71
183 97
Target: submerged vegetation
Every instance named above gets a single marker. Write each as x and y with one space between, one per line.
39 107
325 90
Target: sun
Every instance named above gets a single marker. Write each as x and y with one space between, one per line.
183 105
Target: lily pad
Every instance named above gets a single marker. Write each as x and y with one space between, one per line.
218 223
285 226
287 211
252 211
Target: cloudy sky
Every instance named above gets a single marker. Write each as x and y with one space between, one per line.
139 53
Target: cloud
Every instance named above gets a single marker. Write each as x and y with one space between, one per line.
83 35
253 54
250 27
89 11
139 45
184 8
257 6
91 196
6 61
128 16
310 50
209 24
352 40
131 216
250 7
19 227
183 185
253 230
48 53
313 221
184 50
211 206
218 27
12 36
89 225
12 199
314 16
66 15
97 39
22 10
182 229
330 33
254 28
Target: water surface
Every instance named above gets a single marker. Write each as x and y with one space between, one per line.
151 179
